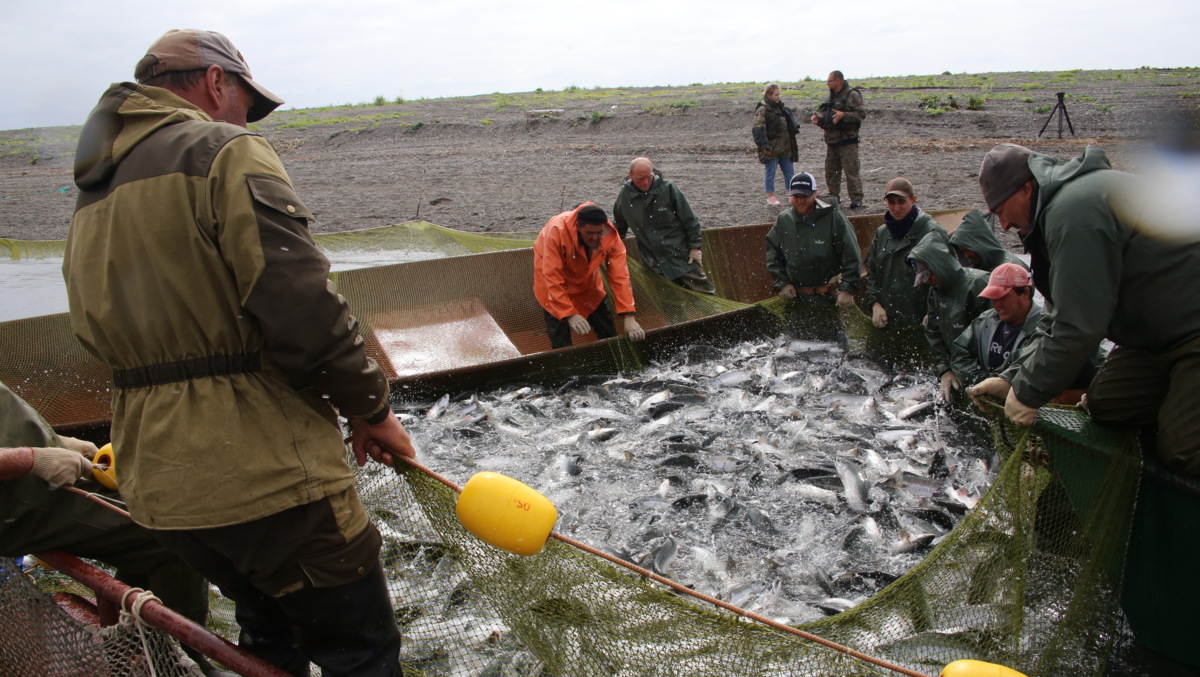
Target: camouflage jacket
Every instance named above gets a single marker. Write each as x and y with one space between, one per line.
850 102
774 132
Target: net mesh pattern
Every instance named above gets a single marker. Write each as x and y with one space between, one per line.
1031 578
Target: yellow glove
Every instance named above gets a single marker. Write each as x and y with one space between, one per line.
949 384
1017 412
878 316
993 387
59 466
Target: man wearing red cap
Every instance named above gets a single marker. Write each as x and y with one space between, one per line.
995 338
191 272
1103 276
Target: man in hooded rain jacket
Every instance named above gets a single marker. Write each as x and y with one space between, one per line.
977 246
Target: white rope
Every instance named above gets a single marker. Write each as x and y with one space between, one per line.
133 618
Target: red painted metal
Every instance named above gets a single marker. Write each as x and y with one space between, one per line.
110 590
79 608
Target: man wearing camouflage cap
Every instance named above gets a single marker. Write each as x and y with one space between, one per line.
191 272
1102 278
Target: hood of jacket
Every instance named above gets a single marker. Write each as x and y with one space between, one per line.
976 235
126 114
934 251
1052 174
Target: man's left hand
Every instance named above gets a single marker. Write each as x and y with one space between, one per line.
696 256
383 441
1017 412
837 116
633 329
79 446
845 299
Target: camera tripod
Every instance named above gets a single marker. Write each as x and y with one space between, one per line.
1061 109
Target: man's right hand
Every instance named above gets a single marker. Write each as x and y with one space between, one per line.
787 292
382 441
994 387
878 316
578 324
949 383
59 466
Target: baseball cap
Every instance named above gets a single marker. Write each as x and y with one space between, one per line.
1004 278
900 186
803 183
1005 168
190 50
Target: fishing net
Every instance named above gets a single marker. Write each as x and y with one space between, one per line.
1031 577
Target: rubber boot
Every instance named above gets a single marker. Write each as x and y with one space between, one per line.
267 634
349 630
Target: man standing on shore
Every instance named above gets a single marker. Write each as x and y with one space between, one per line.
192 273
841 116
666 228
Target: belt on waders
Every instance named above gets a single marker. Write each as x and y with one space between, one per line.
184 370
816 291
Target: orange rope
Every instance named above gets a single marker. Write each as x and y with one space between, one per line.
698 595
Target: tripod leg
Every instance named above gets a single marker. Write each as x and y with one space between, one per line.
1043 131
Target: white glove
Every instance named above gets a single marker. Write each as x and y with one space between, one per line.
80 446
845 299
696 256
578 324
787 292
878 316
633 329
949 384
59 466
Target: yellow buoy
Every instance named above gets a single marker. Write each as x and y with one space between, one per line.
969 668
106 475
506 513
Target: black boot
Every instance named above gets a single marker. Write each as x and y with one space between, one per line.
349 630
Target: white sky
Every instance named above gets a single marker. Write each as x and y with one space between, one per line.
59 56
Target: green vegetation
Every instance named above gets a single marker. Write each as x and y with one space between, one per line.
486 122
670 107
934 104
975 102
1043 109
596 116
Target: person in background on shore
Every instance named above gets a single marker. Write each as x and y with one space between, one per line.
812 252
192 274
892 296
567 255
774 132
1101 278
977 246
841 117
35 463
666 228
953 302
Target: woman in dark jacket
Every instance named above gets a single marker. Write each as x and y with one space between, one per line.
774 133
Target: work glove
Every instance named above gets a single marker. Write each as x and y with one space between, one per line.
949 384
878 316
59 466
993 387
79 446
845 299
633 330
696 256
578 324
1017 412
787 292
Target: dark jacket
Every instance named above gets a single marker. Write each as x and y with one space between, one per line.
1102 277
191 272
664 224
954 302
890 277
850 102
774 132
808 250
969 353
974 234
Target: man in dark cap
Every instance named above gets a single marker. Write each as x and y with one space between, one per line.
892 296
567 255
191 272
1101 278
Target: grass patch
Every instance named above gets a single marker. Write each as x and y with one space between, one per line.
1043 109
1032 85
670 107
486 122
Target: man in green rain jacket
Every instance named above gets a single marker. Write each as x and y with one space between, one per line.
952 304
977 245
1104 273
891 296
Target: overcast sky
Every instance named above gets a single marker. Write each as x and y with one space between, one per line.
60 55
